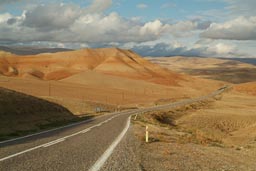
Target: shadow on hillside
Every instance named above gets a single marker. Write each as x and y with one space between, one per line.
228 74
22 114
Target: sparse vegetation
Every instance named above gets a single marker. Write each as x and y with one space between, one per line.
211 134
167 120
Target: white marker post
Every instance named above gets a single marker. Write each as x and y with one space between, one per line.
146 134
135 117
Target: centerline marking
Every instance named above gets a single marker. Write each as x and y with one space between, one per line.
54 142
48 144
100 162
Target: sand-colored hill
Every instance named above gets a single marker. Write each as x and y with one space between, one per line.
210 68
107 75
112 61
107 89
248 88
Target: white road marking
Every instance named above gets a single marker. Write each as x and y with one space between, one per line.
87 130
54 142
43 132
54 129
22 152
100 162
98 124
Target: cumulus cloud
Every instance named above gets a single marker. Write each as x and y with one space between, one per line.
99 6
51 17
100 28
71 23
221 48
241 28
154 27
142 6
4 17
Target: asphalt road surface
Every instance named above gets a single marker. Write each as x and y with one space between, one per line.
84 146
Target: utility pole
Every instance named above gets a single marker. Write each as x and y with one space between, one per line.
49 82
49 88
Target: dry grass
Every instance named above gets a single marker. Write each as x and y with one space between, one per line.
213 135
162 122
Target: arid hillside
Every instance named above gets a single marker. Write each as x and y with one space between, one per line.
109 76
112 61
210 68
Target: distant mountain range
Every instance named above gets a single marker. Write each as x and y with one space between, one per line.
31 50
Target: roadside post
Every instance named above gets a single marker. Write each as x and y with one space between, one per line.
135 117
146 134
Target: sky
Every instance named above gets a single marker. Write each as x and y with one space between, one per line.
210 28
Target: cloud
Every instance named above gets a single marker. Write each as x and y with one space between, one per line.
141 6
154 27
70 23
222 48
5 17
241 28
51 17
100 28
98 6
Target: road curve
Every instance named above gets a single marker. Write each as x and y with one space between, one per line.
85 146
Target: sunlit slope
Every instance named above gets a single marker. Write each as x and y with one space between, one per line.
112 61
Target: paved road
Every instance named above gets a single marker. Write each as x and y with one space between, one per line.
85 146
